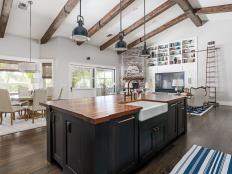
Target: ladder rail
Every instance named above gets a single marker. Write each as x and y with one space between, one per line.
211 69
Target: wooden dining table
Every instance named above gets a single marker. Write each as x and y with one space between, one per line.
25 98
17 100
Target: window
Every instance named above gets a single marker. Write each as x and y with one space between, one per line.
82 77
105 80
47 70
47 74
48 83
6 65
101 79
13 80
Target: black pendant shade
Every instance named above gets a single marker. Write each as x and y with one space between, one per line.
80 33
121 45
145 51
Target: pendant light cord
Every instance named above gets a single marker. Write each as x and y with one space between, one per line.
30 2
144 20
120 16
80 7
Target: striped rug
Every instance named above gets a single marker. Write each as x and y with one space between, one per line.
201 160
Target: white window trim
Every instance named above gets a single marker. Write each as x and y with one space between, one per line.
94 69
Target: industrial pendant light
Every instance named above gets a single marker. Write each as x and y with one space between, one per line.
121 45
80 33
145 51
28 66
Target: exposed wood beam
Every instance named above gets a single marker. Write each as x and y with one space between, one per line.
159 30
163 7
187 8
65 11
5 13
108 17
214 9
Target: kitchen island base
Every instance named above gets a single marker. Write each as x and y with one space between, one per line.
120 145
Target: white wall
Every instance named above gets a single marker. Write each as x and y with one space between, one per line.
64 51
16 46
219 31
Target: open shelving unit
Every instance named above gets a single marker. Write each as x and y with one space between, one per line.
189 51
178 52
175 53
163 54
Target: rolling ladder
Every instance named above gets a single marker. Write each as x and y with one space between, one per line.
211 72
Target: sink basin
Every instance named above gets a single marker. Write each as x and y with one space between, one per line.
150 109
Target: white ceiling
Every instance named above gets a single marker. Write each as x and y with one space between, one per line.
45 11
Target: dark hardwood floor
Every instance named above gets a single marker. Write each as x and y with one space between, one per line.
25 152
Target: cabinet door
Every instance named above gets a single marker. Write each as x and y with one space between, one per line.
159 134
72 147
181 118
124 144
57 137
146 144
153 136
172 122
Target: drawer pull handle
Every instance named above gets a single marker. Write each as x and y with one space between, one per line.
173 105
69 126
126 120
156 129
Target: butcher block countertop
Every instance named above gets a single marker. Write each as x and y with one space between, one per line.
97 110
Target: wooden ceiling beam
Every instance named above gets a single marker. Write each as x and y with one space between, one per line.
159 30
65 11
163 7
189 11
5 13
107 18
214 9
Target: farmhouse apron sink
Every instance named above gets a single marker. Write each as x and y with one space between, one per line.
150 109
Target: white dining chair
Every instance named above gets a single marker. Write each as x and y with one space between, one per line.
60 94
23 92
36 110
6 106
50 92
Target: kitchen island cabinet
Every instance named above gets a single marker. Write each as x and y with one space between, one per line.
103 135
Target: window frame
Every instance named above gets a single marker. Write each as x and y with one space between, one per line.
92 79
114 76
94 67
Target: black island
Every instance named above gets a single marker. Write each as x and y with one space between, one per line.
105 135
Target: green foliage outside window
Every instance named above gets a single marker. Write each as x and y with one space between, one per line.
82 78
13 80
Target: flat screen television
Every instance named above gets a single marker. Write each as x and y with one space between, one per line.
164 81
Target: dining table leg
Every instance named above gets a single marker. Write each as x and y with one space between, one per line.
1 117
11 118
